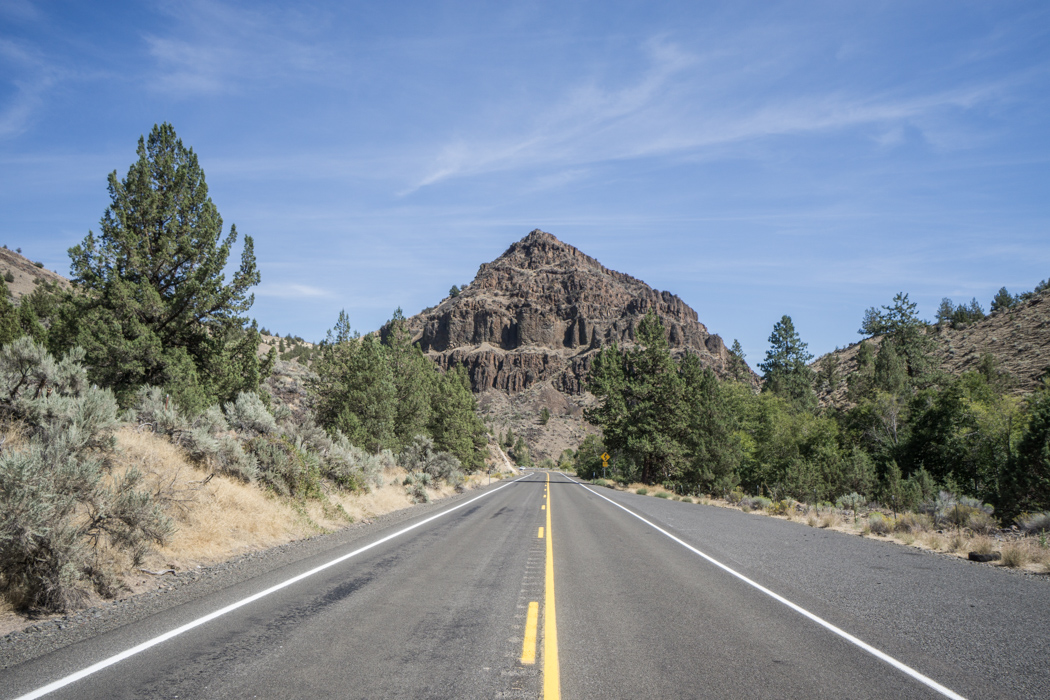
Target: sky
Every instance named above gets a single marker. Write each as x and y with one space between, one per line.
756 159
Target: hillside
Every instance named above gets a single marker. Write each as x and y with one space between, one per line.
1018 338
527 329
25 274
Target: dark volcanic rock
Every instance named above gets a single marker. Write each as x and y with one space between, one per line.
542 310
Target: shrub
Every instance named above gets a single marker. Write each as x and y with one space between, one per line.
913 523
416 485
980 522
755 503
1015 555
735 496
8 277
1034 522
642 491
153 408
420 456
545 416
781 507
57 493
248 414
878 525
39 264
980 545
686 499
662 494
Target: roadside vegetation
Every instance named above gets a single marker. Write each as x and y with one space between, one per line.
912 440
151 352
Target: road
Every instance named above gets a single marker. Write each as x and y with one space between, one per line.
650 599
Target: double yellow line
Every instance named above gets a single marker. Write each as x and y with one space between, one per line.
551 669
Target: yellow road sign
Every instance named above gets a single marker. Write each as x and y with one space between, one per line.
605 457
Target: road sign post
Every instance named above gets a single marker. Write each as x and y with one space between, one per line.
605 463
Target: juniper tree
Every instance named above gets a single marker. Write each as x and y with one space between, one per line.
154 305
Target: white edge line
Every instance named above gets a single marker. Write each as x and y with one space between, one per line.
925 680
117 658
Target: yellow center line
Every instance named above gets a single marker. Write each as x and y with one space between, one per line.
528 647
551 669
541 533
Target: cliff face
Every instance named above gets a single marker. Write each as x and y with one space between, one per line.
542 310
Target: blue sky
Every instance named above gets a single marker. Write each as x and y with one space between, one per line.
809 159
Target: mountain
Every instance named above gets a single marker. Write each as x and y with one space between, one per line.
528 326
1018 338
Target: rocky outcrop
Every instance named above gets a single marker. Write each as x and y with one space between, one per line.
542 310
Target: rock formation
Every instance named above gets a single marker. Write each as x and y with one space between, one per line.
542 310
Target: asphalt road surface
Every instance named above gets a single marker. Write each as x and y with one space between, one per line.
543 587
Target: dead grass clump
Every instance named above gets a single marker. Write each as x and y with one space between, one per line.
812 520
1015 555
830 520
982 545
934 541
913 523
956 540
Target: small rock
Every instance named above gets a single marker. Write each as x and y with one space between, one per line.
993 556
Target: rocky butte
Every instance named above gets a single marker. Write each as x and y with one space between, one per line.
529 325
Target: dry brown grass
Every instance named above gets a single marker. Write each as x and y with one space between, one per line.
934 541
812 520
830 520
1016 555
980 544
218 517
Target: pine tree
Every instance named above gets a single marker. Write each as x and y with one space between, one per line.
154 305
354 390
737 362
9 326
641 410
1003 300
785 371
454 421
414 379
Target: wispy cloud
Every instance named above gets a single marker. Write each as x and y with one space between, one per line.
680 107
291 291
214 47
31 78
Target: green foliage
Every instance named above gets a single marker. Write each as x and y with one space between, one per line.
964 314
354 388
640 412
153 305
588 460
454 422
903 328
545 415
422 456
1026 479
8 277
1003 300
454 291
414 381
828 376
785 371
738 368
55 498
